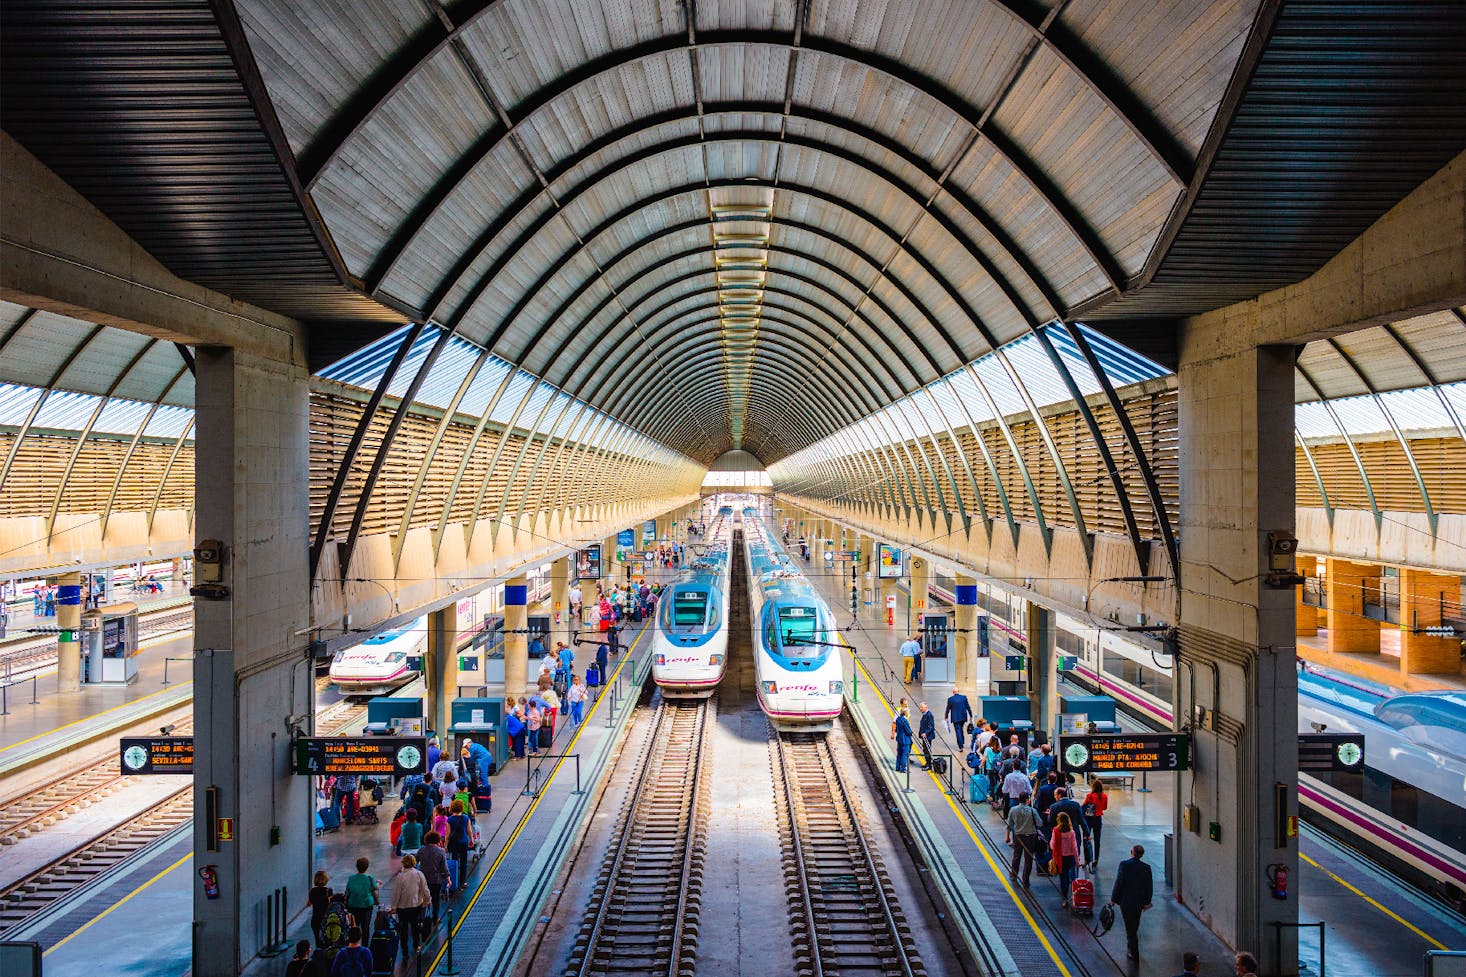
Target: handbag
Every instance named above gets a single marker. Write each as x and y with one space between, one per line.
1053 866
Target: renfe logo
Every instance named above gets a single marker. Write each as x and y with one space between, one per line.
798 688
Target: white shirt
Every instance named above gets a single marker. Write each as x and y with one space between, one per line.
441 768
575 594
909 648
984 738
576 693
1016 784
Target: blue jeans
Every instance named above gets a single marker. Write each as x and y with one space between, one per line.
577 709
903 754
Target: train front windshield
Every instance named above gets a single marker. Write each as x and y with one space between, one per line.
686 609
797 625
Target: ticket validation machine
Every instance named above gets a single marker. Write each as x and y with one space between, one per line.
109 645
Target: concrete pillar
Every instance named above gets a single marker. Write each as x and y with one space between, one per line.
1043 674
964 640
560 624
516 642
68 619
1422 596
890 587
253 684
1237 655
1306 614
1349 629
440 667
178 570
611 573
921 574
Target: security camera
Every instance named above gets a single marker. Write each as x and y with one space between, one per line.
167 729
1319 727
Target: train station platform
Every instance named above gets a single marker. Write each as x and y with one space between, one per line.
1374 924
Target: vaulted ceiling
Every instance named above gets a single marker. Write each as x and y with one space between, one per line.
738 224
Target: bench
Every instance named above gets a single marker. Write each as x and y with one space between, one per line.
1112 780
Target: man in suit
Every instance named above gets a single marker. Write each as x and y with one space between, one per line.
926 732
903 740
1132 893
959 710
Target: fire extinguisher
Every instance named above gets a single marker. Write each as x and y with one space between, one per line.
211 881
1277 879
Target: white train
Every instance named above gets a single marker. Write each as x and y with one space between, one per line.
798 667
383 661
690 634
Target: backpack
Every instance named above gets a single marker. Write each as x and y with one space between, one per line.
350 965
466 797
974 761
334 927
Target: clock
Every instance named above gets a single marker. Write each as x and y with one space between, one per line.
409 757
1076 756
1349 754
135 757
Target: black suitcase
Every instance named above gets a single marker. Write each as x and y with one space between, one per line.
939 766
384 948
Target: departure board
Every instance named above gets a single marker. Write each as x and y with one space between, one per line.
1330 752
156 754
1126 753
369 756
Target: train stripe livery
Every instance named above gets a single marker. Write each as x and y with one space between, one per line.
798 666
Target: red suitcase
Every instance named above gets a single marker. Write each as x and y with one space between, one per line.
1081 898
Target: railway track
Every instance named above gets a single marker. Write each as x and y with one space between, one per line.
844 918
23 816
60 878
27 656
644 911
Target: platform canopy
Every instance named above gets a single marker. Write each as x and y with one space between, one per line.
739 224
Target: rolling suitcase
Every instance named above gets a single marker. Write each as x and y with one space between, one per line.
330 819
384 946
977 788
592 676
939 766
1081 897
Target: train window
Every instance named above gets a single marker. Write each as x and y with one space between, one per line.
797 623
689 608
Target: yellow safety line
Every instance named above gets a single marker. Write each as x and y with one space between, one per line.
1002 874
514 835
1405 923
84 719
116 905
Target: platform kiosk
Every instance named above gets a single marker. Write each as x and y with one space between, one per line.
395 716
109 645
480 718
936 664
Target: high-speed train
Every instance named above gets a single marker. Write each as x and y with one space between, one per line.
798 668
690 636
1406 808
383 661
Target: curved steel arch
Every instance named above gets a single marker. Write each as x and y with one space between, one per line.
1348 441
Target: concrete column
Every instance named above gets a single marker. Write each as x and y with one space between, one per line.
560 624
921 573
68 619
964 641
253 682
1237 658
178 570
1349 629
1307 615
611 573
1043 675
440 667
1422 595
890 587
516 642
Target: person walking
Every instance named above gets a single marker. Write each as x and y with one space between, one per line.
319 899
1023 835
957 713
361 897
1132 892
353 960
432 862
410 898
1094 805
300 964
1190 964
910 648
576 697
1064 843
903 740
927 731
1015 785
1064 804
460 836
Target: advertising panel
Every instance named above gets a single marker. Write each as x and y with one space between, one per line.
888 562
588 563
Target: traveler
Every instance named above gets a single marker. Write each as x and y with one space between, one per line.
445 763
435 752
534 720
576 697
343 797
1044 799
1245 963
514 727
460 836
1023 835
300 964
412 833
1045 761
900 708
903 740
1132 893
1094 805
1064 804
927 732
410 897
958 711
546 681
1064 845
1190 964
566 656
1015 785
335 925
432 862
910 649
319 899
481 764
361 896
354 960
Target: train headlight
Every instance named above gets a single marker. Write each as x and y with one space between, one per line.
715 660
397 656
770 688
837 688
661 660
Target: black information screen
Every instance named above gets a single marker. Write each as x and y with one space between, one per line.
1330 752
156 754
371 756
1126 753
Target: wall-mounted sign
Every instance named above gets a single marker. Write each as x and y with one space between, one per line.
1331 753
588 563
888 561
626 539
373 756
224 829
649 531
157 754
1125 753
